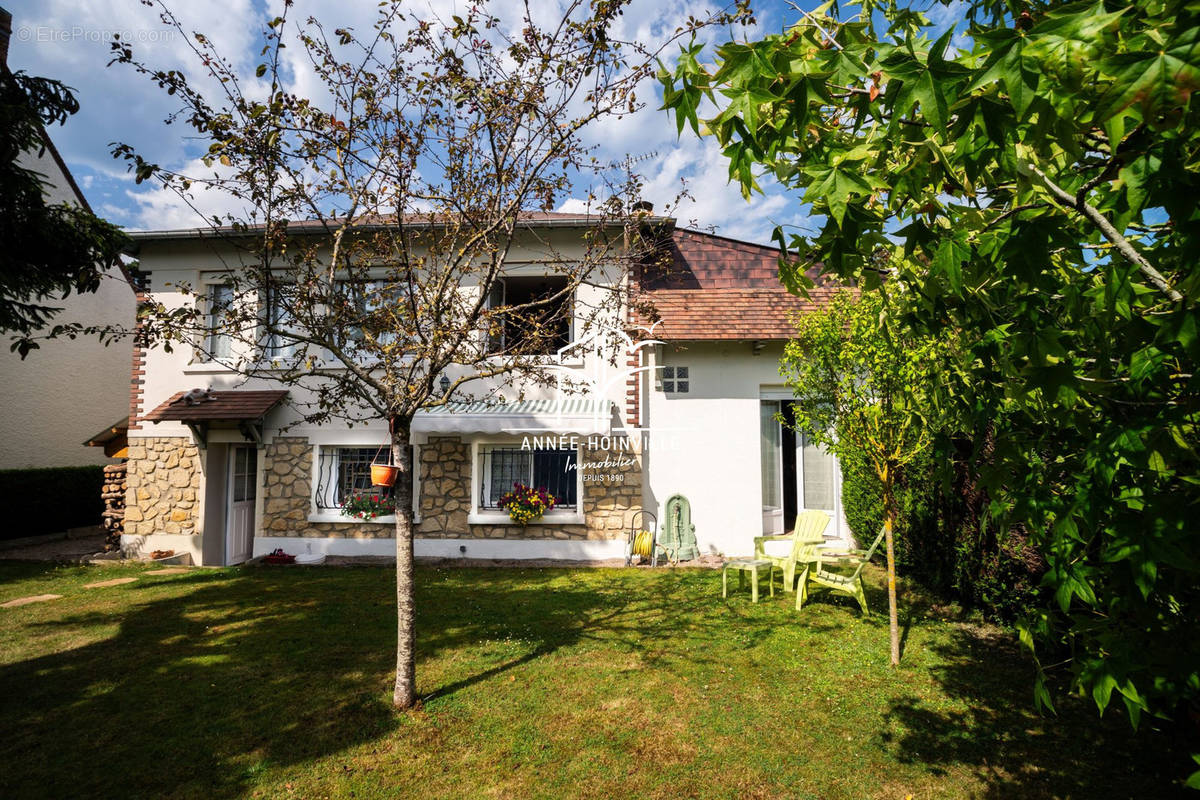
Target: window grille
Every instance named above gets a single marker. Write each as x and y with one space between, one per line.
342 472
553 470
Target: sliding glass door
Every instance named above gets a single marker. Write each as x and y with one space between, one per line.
771 450
818 477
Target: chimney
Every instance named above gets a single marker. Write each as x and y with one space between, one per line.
5 35
644 206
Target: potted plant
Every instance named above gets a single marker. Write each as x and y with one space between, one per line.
525 504
277 556
383 474
361 505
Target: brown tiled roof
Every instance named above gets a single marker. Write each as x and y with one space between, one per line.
226 405
714 288
725 314
699 260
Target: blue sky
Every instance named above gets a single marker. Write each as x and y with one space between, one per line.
69 40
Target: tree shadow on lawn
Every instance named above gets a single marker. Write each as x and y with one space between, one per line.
981 718
198 691
629 611
991 728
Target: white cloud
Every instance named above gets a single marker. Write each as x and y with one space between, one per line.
156 208
69 40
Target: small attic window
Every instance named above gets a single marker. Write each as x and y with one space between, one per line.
675 380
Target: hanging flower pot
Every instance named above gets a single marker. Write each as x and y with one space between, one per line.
383 474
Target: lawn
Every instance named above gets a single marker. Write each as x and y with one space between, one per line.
270 682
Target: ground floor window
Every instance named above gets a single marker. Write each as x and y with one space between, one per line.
500 467
343 472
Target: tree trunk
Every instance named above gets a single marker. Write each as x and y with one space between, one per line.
405 693
889 510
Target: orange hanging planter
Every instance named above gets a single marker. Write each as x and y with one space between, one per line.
383 474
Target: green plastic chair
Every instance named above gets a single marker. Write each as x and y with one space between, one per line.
851 585
679 534
808 530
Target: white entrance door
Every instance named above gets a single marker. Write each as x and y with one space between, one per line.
771 449
239 527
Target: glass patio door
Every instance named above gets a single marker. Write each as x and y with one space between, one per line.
771 447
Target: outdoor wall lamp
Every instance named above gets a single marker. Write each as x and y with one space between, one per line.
758 347
444 384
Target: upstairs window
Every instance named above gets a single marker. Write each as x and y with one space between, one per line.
675 380
281 344
219 343
377 307
538 321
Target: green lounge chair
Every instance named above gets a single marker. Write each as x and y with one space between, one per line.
808 532
851 584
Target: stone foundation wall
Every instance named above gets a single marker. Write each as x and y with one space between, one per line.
445 469
163 484
445 498
288 497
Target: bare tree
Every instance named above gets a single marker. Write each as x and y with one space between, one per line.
378 218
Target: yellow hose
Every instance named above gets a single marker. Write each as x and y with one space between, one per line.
642 544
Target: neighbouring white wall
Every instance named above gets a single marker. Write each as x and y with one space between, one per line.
706 444
67 391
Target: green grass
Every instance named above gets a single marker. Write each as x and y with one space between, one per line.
538 683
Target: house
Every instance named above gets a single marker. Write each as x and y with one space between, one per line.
233 471
58 397
715 397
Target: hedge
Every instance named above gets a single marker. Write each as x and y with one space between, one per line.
50 500
944 537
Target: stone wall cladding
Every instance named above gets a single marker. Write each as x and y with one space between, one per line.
163 486
446 486
287 500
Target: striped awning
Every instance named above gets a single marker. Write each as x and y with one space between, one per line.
580 415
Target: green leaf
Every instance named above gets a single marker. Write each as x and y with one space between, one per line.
835 187
1102 689
1041 695
1160 82
1079 21
948 260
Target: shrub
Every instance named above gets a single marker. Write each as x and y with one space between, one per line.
862 496
38 501
917 495
944 539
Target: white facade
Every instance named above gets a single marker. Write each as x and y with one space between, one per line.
199 262
707 443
